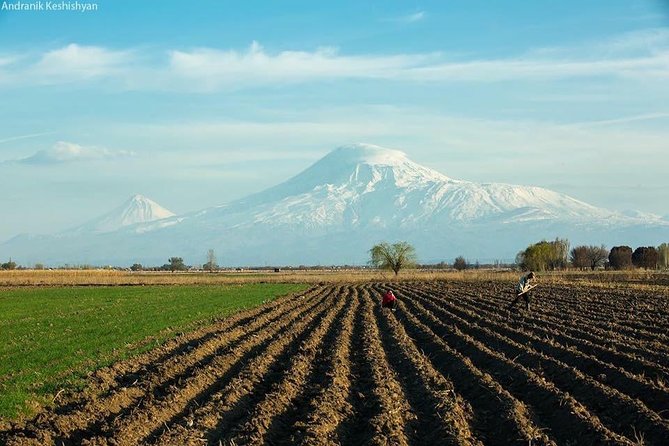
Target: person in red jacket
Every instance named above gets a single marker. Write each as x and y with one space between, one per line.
389 301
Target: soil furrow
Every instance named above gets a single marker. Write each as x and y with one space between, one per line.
322 405
330 366
554 409
617 411
158 412
270 420
380 407
390 425
498 417
655 398
441 416
211 416
72 424
609 348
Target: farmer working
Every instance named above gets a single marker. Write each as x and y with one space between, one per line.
523 288
389 300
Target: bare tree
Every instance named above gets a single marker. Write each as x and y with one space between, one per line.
597 255
393 257
579 257
211 265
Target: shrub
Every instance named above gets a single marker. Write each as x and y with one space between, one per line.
460 263
645 257
620 257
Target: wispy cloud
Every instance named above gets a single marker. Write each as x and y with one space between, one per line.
499 70
4 61
67 152
20 137
624 120
408 18
640 56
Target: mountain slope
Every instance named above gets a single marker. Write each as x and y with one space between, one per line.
333 211
369 186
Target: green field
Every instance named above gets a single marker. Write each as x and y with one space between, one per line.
50 338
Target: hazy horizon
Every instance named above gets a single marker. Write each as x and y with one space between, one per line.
197 105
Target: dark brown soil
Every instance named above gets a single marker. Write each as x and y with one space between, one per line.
330 366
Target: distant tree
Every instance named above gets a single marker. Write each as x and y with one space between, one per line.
645 257
136 267
560 252
597 255
620 257
394 257
588 256
578 257
460 263
176 264
544 255
211 265
39 266
663 256
8 265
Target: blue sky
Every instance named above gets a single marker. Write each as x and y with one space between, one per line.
197 103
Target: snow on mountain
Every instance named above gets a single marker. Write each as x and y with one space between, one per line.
334 210
646 216
137 209
365 185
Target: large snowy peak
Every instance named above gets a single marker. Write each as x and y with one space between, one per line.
357 166
368 186
137 209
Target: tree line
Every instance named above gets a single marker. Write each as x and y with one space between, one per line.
552 255
541 256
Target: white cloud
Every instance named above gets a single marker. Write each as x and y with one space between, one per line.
639 56
74 62
215 68
67 152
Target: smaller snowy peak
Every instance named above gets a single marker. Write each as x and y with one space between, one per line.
137 209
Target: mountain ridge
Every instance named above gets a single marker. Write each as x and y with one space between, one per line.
352 197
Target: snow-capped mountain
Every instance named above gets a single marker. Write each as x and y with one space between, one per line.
137 209
332 212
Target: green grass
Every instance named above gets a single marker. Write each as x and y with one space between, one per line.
51 338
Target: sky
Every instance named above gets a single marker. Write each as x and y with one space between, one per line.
196 103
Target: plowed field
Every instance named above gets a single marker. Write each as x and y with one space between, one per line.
450 366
